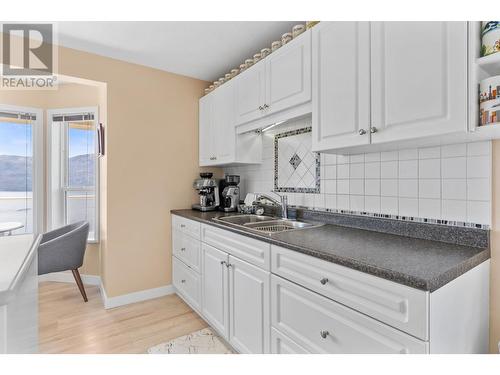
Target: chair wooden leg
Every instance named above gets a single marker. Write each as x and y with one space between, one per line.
78 280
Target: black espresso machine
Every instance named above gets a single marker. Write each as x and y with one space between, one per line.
229 193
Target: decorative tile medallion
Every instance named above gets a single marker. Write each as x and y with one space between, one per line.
295 161
296 167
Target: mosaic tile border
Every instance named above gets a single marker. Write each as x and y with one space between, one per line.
451 223
315 190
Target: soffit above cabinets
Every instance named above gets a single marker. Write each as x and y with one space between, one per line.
203 50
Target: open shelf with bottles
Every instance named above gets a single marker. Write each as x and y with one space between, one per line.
480 68
489 64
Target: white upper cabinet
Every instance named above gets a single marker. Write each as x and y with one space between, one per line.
250 92
288 75
387 83
223 124
206 146
341 84
280 81
419 79
218 142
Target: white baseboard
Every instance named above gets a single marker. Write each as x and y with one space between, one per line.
110 302
67 277
142 295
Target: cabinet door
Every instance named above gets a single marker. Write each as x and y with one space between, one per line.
223 128
205 122
250 93
249 308
341 85
419 79
288 75
215 306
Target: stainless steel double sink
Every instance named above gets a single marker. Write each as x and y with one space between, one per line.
265 224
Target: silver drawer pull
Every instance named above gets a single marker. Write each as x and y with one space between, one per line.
183 281
323 281
362 131
324 334
183 226
183 249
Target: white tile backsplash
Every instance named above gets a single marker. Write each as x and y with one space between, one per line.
429 168
389 169
455 167
429 188
450 182
408 168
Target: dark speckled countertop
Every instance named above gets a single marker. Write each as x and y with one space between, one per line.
418 263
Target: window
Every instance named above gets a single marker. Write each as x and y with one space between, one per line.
74 169
20 170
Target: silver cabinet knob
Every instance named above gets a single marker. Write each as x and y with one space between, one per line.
266 106
261 107
323 281
222 262
373 129
228 265
183 281
324 334
183 249
362 132
183 226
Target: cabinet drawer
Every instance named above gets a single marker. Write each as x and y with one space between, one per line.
187 249
187 283
186 226
397 305
281 344
321 325
253 251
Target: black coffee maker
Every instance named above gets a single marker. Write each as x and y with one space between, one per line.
229 193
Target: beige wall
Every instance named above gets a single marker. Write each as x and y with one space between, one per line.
68 95
151 120
152 159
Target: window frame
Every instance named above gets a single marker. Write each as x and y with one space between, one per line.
62 167
37 173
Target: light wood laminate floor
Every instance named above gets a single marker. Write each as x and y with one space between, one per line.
68 325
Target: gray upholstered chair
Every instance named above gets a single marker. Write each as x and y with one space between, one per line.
63 250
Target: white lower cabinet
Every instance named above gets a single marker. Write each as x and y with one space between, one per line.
281 344
188 282
215 304
267 299
236 300
321 325
249 288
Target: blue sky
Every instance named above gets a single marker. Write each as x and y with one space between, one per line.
81 142
13 138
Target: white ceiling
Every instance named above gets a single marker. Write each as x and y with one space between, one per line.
204 50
